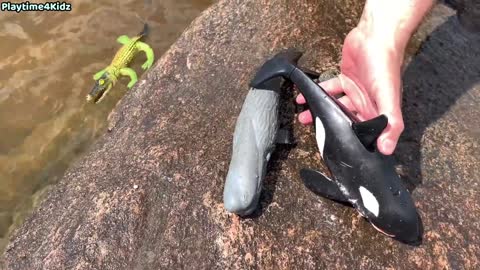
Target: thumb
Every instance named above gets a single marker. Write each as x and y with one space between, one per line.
387 142
389 103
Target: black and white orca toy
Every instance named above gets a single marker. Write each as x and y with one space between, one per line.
362 176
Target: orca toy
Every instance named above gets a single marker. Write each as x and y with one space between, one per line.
362 176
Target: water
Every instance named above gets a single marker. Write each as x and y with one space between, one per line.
46 65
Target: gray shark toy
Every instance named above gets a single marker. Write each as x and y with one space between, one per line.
256 133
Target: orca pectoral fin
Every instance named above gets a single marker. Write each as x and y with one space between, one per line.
368 131
284 136
322 185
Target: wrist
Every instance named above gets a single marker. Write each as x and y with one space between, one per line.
388 35
393 22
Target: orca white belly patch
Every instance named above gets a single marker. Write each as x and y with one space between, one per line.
369 201
320 135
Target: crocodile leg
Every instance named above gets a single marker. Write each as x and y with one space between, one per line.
123 39
148 51
99 74
131 73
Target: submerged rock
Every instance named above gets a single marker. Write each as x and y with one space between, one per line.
149 193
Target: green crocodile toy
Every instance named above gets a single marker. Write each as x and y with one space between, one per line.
106 78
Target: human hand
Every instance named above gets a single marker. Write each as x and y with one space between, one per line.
370 80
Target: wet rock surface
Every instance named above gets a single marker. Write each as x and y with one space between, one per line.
149 193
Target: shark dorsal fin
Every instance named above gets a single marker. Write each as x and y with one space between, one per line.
368 131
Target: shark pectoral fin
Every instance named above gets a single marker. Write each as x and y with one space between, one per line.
322 185
123 39
368 131
284 136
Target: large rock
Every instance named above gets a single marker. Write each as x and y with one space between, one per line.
149 194
468 13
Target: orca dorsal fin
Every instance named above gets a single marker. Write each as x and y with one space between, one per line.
322 185
368 131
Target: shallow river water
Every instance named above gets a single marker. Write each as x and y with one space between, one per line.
46 64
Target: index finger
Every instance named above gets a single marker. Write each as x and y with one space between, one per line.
332 87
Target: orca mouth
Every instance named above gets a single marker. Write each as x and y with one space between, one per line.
418 240
412 242
378 229
414 238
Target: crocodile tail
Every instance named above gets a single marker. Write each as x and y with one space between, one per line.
145 30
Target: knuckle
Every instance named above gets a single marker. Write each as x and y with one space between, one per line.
398 124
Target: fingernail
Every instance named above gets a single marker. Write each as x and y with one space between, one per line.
301 117
388 146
